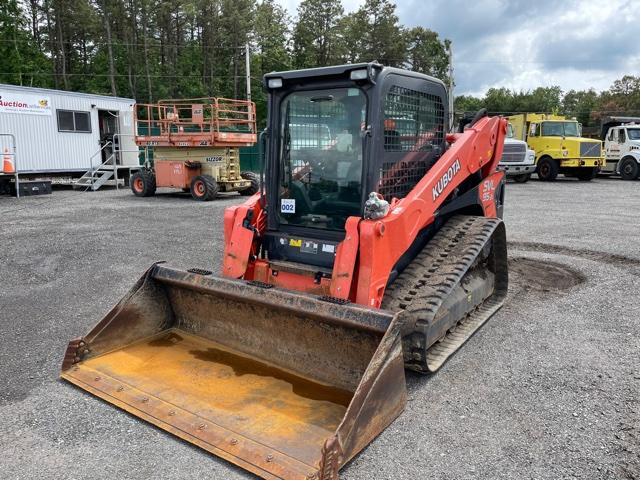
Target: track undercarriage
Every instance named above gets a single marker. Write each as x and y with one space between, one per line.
450 289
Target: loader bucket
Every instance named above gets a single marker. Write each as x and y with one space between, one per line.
285 385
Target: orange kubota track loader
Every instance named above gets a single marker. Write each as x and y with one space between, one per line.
375 244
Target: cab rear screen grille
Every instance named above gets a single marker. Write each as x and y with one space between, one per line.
413 137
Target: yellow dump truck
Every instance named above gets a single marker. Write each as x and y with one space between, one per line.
559 146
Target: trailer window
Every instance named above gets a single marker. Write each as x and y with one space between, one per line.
73 121
413 128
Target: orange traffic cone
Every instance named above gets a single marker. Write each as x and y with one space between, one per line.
7 162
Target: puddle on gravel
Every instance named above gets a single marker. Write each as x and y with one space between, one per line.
543 275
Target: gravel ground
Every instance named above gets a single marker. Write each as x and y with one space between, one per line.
548 389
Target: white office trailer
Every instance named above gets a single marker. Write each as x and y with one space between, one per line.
67 137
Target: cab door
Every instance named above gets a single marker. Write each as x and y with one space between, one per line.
533 139
612 145
622 143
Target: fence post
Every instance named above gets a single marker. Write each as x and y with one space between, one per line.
15 165
115 158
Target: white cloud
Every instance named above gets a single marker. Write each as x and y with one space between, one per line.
577 44
524 44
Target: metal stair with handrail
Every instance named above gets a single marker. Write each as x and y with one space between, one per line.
102 174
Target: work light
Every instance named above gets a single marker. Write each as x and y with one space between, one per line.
361 74
275 83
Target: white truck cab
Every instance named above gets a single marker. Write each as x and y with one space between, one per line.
621 137
518 161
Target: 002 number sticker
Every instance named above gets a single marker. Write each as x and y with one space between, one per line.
288 205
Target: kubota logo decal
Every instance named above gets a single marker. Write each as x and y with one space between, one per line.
445 180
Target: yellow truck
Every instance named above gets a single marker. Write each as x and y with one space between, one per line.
559 146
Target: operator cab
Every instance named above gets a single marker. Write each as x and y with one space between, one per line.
336 134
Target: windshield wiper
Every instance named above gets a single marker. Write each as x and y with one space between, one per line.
286 149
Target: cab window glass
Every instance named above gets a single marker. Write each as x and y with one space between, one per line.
321 157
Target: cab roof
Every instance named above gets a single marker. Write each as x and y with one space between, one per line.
343 71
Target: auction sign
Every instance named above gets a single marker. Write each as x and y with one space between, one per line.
24 103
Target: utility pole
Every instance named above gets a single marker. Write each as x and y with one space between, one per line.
248 69
450 87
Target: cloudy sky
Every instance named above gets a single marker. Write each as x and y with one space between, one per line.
523 44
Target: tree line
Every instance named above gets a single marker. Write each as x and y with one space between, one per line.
155 49
587 106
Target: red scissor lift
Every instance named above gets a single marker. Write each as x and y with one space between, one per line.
195 145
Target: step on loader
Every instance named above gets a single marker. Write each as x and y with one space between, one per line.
374 245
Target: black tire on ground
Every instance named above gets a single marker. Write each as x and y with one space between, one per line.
586 174
629 169
547 169
523 178
204 188
143 183
255 183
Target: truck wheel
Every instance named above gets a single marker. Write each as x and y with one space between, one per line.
255 183
629 168
586 174
143 183
523 178
547 169
204 188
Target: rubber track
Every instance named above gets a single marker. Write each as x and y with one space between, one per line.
421 289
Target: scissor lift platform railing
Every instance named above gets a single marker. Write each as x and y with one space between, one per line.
199 122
